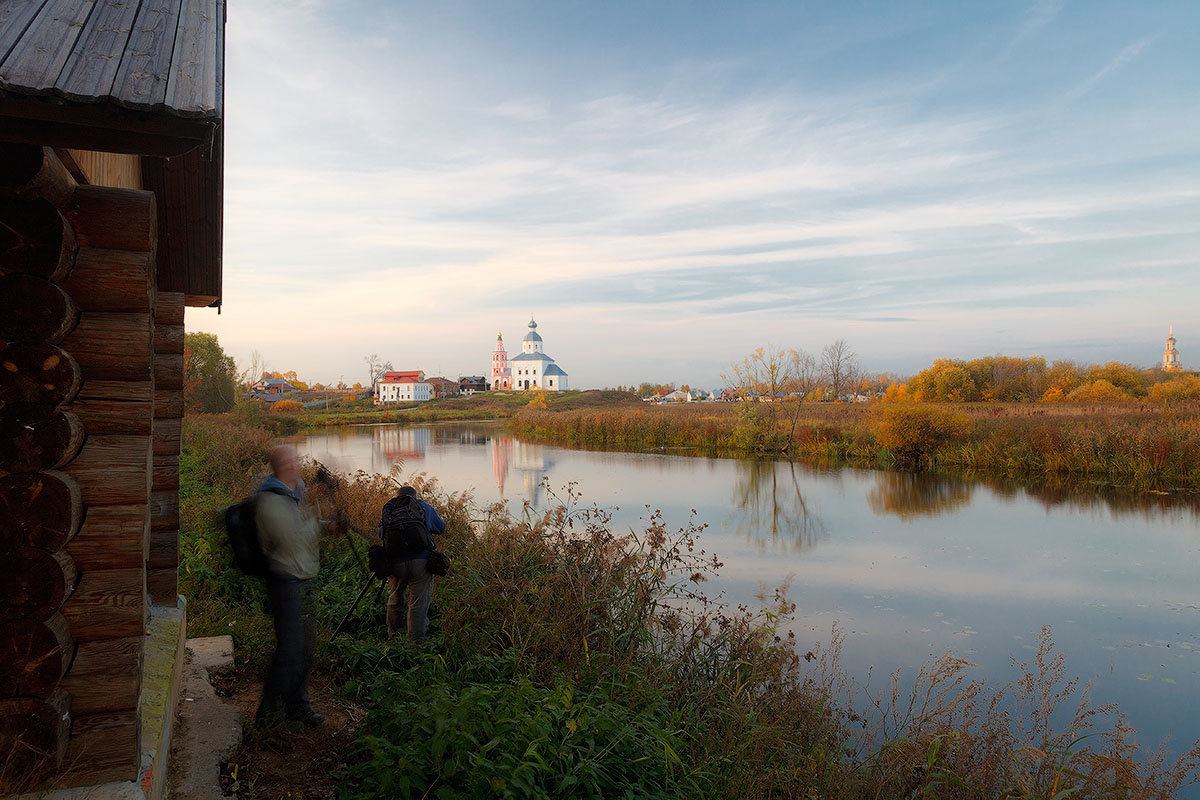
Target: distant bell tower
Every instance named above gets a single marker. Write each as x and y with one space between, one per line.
501 375
1171 355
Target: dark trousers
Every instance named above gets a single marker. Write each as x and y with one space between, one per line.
285 689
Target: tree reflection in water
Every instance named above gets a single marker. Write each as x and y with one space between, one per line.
774 512
909 495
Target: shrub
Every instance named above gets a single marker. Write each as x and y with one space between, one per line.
1098 391
1180 390
911 432
287 407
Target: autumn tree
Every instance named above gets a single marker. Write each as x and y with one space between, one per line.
209 375
376 367
839 367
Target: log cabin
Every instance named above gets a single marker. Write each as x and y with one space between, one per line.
111 175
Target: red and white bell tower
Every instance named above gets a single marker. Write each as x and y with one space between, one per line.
501 375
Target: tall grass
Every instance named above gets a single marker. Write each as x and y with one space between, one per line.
1138 446
570 659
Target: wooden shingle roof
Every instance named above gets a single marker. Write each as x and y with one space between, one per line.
146 55
121 76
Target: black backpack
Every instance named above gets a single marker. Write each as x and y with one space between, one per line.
240 527
403 527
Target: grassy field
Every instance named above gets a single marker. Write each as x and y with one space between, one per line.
570 660
485 405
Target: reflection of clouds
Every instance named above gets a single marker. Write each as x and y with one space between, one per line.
883 567
909 495
775 513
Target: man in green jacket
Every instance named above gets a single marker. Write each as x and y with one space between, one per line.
288 534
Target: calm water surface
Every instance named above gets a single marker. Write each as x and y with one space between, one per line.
907 566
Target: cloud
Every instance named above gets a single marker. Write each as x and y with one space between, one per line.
395 168
1128 53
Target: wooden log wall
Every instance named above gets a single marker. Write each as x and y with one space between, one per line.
89 468
162 561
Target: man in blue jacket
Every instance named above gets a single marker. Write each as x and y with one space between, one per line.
410 572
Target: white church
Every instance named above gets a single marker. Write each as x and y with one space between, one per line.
529 369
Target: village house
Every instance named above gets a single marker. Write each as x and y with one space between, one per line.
403 387
470 384
111 142
271 386
440 388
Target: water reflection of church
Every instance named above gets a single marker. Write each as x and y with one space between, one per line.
527 460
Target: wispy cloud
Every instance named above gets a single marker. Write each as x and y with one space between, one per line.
1128 53
386 172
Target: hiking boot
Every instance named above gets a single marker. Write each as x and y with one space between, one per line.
312 719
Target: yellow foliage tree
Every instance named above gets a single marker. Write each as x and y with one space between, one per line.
1098 391
896 393
539 400
912 431
287 407
1053 395
1180 390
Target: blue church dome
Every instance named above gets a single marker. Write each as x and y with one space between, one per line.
533 335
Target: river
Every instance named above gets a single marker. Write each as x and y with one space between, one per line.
908 566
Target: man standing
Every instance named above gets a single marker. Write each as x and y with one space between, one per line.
287 532
407 528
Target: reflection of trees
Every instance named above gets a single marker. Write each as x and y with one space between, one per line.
910 495
1092 496
774 511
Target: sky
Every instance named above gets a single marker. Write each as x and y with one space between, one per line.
665 186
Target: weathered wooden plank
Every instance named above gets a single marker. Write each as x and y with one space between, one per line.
168 338
41 509
120 417
166 473
14 21
163 585
164 510
33 739
38 58
35 238
114 219
146 68
33 656
37 583
193 88
113 347
104 748
112 280
35 438
168 371
113 470
35 170
168 437
32 309
112 537
168 403
105 676
107 604
128 391
164 548
91 70
41 373
170 309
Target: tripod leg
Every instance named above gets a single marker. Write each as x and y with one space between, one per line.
358 599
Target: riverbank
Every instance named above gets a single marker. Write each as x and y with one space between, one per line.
562 664
1137 447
